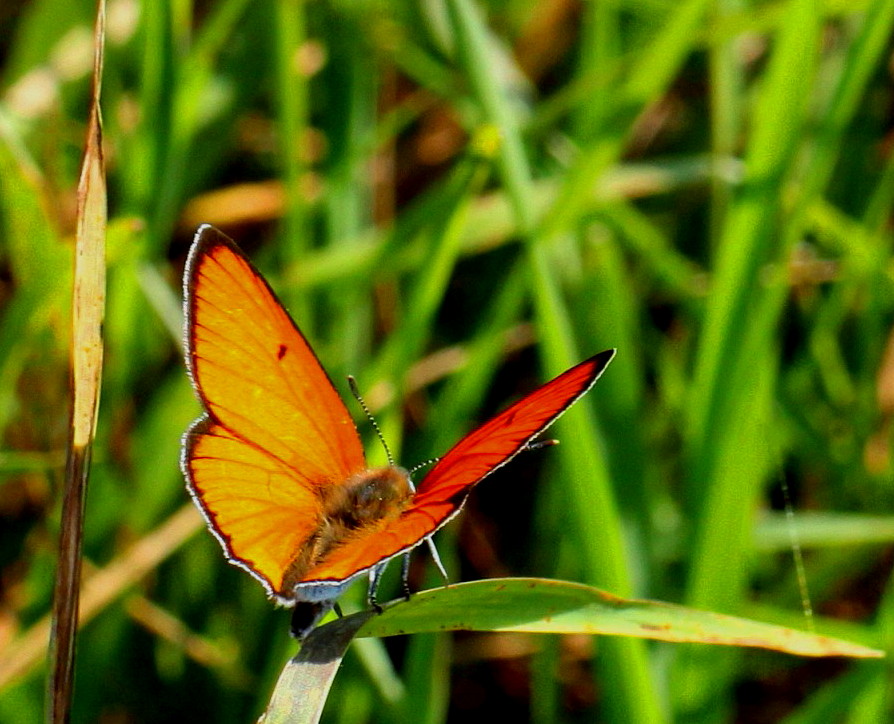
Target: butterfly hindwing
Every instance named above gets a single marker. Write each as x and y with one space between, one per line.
257 509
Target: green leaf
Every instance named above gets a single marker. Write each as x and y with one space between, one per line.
537 605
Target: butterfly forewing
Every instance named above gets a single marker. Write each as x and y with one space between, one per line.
256 374
497 441
442 492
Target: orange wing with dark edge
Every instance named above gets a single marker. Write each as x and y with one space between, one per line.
443 491
274 430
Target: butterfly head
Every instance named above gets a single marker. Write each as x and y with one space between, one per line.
366 498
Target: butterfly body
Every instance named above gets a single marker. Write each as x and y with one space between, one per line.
357 508
275 463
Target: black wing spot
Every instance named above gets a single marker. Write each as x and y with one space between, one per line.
281 352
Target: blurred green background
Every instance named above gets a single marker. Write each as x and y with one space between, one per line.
457 199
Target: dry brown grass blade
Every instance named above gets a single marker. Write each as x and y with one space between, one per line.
86 368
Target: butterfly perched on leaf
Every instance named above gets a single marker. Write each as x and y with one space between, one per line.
275 463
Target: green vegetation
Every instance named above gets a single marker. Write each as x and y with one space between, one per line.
458 200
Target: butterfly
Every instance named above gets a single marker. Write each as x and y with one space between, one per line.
275 463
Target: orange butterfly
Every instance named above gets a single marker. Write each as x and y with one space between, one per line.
275 463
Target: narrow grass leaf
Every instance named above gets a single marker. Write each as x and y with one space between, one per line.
546 606
303 686
88 309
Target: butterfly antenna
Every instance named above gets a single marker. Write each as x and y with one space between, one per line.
352 383
419 466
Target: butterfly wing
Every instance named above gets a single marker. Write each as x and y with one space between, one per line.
274 430
443 491
496 442
261 530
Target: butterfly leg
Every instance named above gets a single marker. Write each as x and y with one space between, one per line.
405 575
375 576
437 559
